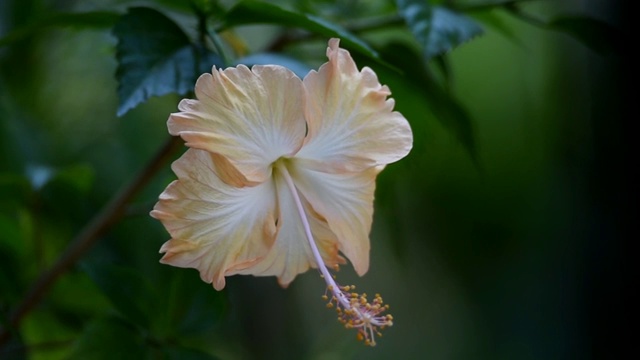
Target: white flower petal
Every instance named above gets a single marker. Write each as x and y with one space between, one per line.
291 253
250 117
345 200
214 227
351 123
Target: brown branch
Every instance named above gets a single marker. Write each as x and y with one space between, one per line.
89 235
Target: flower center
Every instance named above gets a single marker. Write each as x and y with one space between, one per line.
354 310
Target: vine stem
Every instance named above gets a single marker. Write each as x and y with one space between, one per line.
89 235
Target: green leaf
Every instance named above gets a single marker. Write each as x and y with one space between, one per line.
93 19
595 34
109 338
437 29
76 293
446 109
495 21
128 291
190 306
257 12
47 326
442 63
488 4
155 57
79 176
298 67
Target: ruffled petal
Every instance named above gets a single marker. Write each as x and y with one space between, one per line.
291 253
351 123
345 200
214 227
250 117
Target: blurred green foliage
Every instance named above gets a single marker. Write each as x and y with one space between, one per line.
491 240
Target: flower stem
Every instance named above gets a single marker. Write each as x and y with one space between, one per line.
89 235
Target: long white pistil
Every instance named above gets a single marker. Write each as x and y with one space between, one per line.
333 286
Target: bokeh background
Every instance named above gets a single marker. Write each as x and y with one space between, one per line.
510 250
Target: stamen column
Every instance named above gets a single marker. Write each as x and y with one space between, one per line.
354 311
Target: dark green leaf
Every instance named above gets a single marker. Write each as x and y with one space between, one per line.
206 60
447 110
597 35
193 307
155 57
493 20
79 176
109 338
77 293
442 63
437 29
299 68
257 12
94 19
129 292
487 4
453 116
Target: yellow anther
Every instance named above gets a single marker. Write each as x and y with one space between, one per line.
355 311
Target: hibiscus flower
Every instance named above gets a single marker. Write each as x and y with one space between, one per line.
280 176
